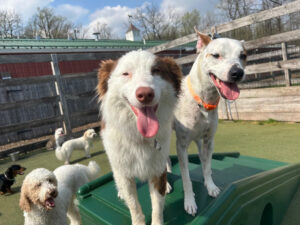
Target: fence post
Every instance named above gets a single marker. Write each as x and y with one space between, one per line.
62 103
287 72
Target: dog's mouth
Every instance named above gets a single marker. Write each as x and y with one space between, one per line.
49 203
228 90
20 172
147 122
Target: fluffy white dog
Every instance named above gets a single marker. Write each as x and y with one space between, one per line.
64 152
47 197
138 94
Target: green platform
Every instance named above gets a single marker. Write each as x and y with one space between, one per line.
254 192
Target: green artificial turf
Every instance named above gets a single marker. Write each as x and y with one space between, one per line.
270 140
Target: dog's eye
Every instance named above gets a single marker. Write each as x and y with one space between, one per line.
155 70
38 184
243 56
216 55
50 180
125 74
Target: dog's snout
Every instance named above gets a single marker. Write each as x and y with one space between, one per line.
236 73
145 95
53 193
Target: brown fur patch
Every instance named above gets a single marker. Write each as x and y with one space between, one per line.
25 203
160 183
106 67
168 69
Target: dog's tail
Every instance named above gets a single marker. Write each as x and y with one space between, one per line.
93 170
60 153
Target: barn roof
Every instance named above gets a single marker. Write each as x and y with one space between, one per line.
20 45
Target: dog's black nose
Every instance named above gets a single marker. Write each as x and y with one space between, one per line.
236 73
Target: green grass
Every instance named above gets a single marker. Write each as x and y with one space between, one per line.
269 139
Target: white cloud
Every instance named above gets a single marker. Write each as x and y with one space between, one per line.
182 6
25 8
72 12
115 17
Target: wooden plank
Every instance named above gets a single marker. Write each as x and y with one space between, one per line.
260 16
293 117
272 54
273 39
273 66
26 81
271 108
86 113
29 124
270 92
21 58
241 22
287 72
62 103
186 59
81 95
80 75
12 105
87 56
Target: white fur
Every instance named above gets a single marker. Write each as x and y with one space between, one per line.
64 152
59 136
129 153
69 179
194 123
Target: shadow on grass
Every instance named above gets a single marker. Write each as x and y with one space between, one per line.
92 155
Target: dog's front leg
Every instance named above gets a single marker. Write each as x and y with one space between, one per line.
205 157
157 187
87 151
189 196
127 189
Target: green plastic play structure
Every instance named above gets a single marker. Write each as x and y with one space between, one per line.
254 192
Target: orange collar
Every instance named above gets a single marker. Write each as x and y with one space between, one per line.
198 99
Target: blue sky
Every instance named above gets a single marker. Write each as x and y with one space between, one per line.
113 12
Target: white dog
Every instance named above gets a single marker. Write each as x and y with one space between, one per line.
47 198
138 94
64 152
217 69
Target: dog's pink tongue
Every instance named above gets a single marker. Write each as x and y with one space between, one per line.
147 123
229 90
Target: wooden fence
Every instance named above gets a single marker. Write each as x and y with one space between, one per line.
32 108
279 104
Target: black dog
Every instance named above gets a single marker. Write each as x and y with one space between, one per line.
8 178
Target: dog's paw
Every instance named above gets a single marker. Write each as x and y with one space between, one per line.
213 190
190 205
169 188
120 196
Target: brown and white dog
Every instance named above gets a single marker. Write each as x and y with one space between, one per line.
216 72
138 94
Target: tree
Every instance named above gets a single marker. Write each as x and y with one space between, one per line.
189 20
10 24
48 25
104 30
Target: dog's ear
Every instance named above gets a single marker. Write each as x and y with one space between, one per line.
106 68
169 70
24 203
203 40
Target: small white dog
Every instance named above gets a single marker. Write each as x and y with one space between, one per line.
215 73
64 152
138 94
47 197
